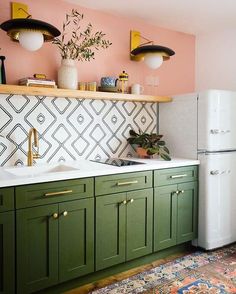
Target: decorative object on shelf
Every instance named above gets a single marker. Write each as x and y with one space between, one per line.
67 77
36 82
137 89
3 73
123 82
108 82
82 86
30 33
108 89
147 145
92 86
80 45
153 55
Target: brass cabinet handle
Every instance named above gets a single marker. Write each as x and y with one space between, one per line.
182 191
55 215
176 192
58 193
131 200
123 202
65 213
178 176
127 183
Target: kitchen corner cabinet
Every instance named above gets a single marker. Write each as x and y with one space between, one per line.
175 206
7 241
124 221
55 241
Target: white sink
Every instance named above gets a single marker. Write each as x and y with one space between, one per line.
32 171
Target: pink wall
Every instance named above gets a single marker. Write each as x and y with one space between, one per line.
176 75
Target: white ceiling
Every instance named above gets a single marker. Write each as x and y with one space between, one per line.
189 16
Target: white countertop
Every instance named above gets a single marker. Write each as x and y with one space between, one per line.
15 176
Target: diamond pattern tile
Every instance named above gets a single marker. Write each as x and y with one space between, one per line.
70 129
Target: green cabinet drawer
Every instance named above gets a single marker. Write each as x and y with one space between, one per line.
176 175
47 193
6 199
123 182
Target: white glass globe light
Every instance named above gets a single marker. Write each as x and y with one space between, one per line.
31 40
153 60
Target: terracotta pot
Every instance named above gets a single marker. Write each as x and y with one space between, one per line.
142 153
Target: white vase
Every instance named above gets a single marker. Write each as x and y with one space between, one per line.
67 75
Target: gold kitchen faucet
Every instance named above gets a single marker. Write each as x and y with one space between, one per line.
31 155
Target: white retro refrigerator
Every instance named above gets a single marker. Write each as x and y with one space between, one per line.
203 126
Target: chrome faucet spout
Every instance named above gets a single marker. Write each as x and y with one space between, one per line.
31 155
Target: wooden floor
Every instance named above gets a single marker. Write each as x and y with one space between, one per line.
110 280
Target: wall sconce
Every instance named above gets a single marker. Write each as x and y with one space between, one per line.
30 33
153 55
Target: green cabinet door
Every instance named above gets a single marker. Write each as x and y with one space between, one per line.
37 248
7 253
110 230
165 216
139 223
76 238
187 212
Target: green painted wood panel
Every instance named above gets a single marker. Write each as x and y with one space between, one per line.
34 195
110 230
6 199
187 212
165 217
37 248
76 239
139 223
175 175
122 182
7 253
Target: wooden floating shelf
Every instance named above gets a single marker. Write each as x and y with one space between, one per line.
51 92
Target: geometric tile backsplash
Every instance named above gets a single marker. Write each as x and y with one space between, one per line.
69 128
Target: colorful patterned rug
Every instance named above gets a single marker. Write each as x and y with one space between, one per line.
201 273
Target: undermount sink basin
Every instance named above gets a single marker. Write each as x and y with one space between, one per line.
31 171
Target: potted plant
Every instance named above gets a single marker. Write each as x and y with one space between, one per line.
147 145
76 43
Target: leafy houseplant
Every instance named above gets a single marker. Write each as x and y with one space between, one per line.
79 45
151 143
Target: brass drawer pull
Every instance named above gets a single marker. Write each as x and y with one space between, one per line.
178 176
131 200
126 183
123 202
55 215
58 193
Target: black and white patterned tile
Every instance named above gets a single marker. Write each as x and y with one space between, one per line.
70 129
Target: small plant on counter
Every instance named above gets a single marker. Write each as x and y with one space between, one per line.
79 45
151 143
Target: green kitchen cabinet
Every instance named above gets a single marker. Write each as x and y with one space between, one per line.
124 223
7 252
175 214
54 244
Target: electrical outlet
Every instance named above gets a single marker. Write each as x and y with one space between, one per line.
149 80
156 81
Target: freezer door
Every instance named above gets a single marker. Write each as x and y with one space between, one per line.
217 120
217 200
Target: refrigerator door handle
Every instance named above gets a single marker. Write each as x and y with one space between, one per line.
214 172
214 131
217 131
